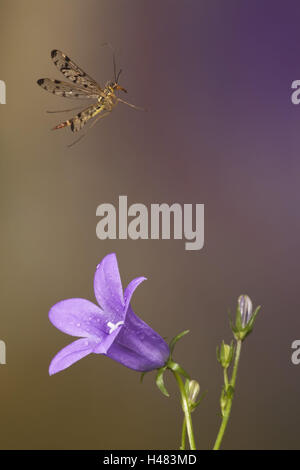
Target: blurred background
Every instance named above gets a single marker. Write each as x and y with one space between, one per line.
220 130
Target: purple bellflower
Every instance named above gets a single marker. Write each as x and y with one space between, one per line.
113 330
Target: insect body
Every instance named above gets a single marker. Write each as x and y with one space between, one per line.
83 86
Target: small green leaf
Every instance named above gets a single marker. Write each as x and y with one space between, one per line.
175 339
160 381
231 324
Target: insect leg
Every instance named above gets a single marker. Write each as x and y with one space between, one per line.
131 105
77 140
98 118
64 110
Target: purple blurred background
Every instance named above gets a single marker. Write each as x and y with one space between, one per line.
220 130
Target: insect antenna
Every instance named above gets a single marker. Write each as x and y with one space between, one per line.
115 67
116 76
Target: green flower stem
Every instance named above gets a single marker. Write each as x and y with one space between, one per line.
186 410
236 363
226 378
183 435
226 414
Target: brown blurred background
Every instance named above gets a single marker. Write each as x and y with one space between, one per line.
220 130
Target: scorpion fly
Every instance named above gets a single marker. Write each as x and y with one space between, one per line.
83 86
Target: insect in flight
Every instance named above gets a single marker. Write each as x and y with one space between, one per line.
83 86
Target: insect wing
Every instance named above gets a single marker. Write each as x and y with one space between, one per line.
65 89
74 73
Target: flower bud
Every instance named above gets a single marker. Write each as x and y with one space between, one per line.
193 391
225 354
245 307
245 318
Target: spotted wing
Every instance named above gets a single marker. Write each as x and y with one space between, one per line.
66 89
78 122
74 73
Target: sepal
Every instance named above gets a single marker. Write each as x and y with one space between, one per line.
175 339
177 368
160 381
142 376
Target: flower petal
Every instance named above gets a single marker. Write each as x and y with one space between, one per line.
78 317
108 287
138 346
130 290
70 354
106 342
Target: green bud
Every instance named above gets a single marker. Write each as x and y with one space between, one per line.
226 398
225 354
